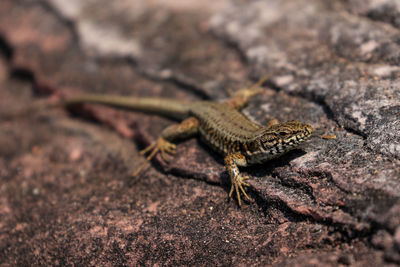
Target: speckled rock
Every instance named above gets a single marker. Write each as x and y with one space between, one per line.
66 192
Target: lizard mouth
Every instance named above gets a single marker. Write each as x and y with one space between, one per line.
308 130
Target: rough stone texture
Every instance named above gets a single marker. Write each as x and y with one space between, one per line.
66 191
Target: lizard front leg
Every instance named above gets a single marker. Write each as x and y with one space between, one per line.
232 161
163 145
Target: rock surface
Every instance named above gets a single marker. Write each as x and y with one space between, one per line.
66 191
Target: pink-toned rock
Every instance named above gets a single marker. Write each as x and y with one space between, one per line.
67 196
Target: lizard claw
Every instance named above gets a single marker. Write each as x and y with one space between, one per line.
237 185
162 146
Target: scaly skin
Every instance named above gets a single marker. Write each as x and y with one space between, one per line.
221 125
244 142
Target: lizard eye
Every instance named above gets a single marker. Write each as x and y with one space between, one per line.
283 134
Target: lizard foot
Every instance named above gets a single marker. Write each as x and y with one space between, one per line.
237 185
162 146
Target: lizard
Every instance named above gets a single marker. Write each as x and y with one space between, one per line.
221 125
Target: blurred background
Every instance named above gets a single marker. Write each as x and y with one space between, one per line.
66 192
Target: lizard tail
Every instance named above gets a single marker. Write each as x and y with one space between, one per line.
161 106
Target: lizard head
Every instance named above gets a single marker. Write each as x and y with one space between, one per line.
278 139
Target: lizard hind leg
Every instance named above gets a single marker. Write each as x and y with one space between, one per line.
161 146
164 145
